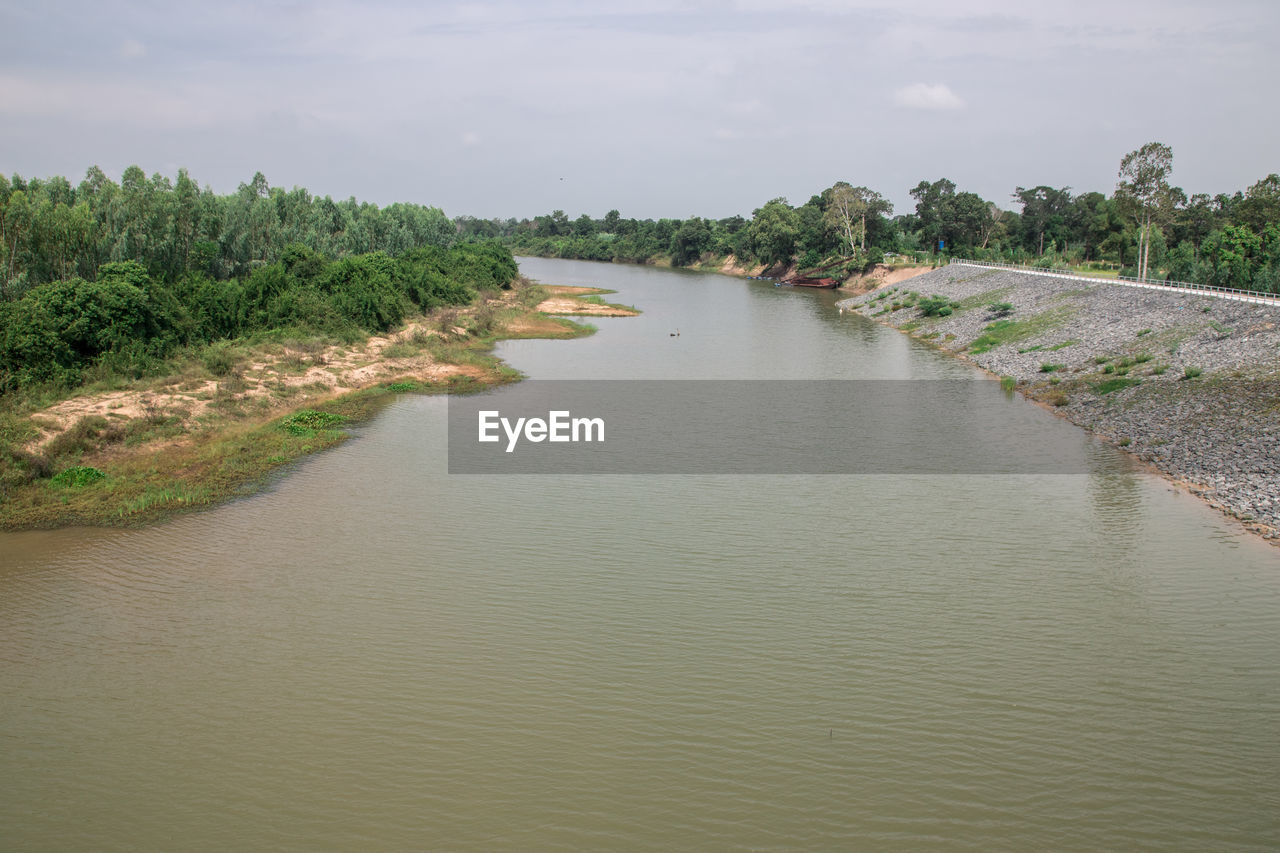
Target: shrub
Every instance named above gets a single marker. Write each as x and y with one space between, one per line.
1190 372
1049 367
220 358
307 421
936 306
77 477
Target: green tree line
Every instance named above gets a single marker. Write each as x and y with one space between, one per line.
107 279
1146 228
51 230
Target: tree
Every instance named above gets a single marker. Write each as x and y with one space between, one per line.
847 211
773 232
1261 205
931 203
691 239
1144 188
1044 209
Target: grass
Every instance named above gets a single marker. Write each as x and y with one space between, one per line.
1109 385
1003 332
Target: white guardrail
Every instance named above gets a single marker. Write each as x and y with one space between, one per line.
1172 286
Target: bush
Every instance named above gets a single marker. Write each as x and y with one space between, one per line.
307 421
58 329
78 477
936 306
220 358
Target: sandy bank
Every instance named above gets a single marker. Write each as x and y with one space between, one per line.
206 434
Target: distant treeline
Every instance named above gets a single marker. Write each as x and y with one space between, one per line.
1226 240
107 279
51 230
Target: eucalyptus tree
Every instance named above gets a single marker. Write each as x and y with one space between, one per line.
1144 189
848 208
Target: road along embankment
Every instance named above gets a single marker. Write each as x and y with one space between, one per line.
1189 383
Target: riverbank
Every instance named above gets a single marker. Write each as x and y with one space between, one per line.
878 275
217 429
1187 383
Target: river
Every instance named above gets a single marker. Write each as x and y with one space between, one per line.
377 655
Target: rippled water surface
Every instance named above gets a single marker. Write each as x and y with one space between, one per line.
375 655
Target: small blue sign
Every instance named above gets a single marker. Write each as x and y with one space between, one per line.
942 244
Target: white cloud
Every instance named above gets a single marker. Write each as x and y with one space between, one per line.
132 49
922 96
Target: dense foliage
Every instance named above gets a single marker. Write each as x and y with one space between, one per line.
1146 227
51 230
106 279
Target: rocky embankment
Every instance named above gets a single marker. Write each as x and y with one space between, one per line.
1188 383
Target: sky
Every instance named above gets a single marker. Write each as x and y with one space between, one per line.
492 108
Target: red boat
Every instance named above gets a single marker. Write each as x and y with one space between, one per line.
804 281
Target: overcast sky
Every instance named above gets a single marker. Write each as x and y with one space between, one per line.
495 108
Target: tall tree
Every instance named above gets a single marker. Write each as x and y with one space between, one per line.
773 231
847 211
932 201
1044 209
1144 188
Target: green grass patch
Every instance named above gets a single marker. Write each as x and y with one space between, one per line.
1049 367
77 477
308 421
1003 332
1062 345
1109 385
987 298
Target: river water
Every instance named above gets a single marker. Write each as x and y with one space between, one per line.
377 655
